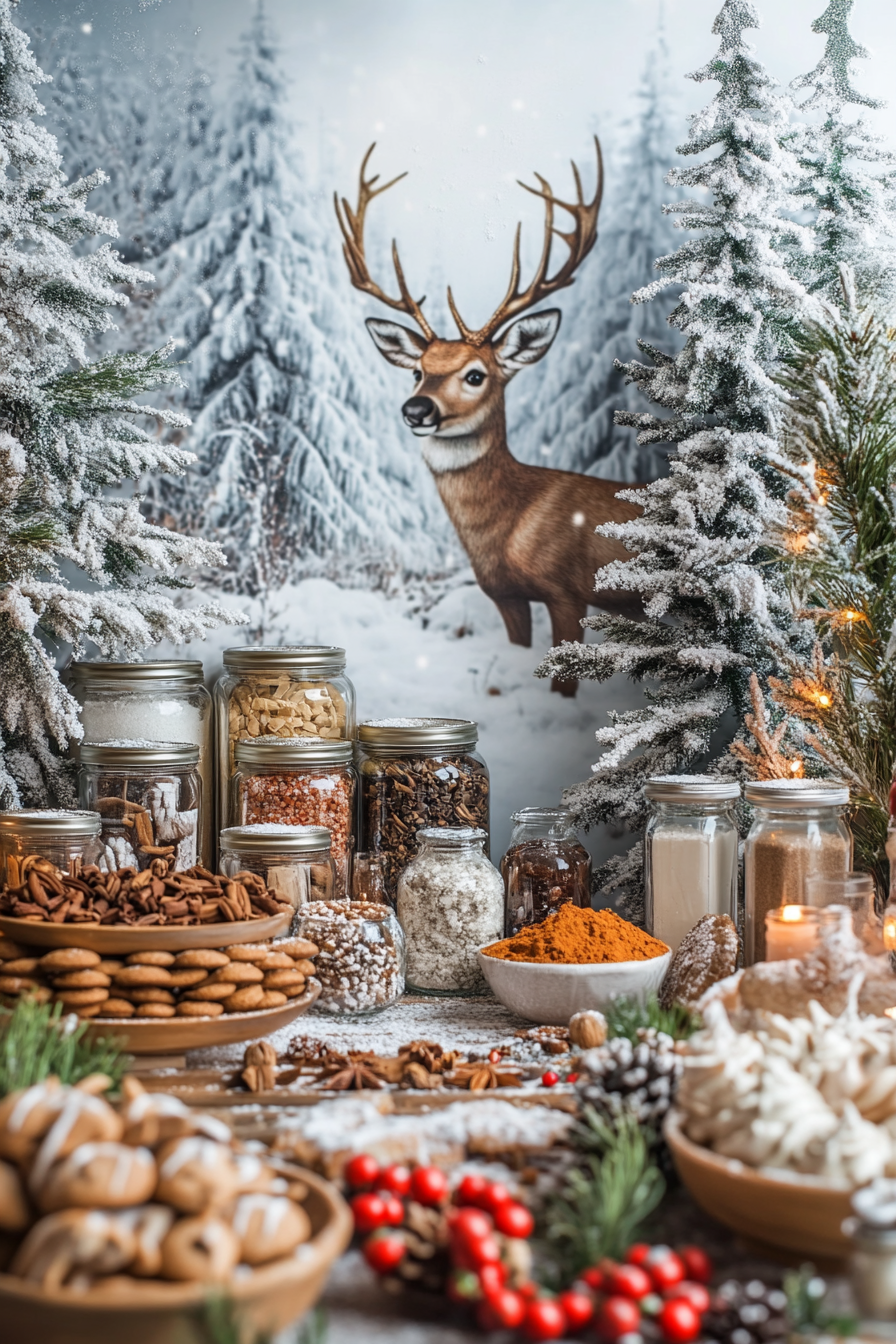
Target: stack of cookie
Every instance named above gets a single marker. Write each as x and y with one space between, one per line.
199 982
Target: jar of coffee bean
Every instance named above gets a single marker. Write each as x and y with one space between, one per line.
417 773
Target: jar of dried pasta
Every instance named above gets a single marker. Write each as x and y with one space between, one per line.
294 861
149 796
799 831
299 781
67 839
416 773
283 691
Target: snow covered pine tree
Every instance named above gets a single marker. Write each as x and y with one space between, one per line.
66 436
713 612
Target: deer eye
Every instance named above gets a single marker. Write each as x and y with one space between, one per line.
475 378
417 375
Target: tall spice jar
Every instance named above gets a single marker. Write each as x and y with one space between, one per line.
545 866
68 839
149 796
299 781
285 691
294 861
799 830
414 774
156 701
690 853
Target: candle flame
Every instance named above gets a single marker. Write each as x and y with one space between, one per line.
890 1012
889 933
791 914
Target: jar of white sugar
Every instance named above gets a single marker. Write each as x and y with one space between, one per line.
450 902
690 853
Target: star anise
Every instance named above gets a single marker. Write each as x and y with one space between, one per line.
430 1055
480 1076
354 1077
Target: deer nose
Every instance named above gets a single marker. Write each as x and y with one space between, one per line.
421 413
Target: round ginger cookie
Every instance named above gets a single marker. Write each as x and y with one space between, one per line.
295 947
10 951
69 959
150 959
20 966
118 1008
281 979
205 958
305 966
277 961
244 1000
193 1008
237 973
16 984
248 951
139 977
109 965
184 977
291 991
272 998
156 1010
90 1009
209 993
81 998
82 980
150 994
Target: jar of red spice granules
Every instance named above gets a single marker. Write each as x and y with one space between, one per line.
297 782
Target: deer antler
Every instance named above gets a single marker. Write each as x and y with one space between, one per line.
579 240
351 222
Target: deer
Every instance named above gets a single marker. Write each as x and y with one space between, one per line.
528 531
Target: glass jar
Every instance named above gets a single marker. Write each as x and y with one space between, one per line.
872 1265
299 782
798 831
149 796
294 861
68 839
450 903
545 866
417 773
283 691
155 701
690 853
361 963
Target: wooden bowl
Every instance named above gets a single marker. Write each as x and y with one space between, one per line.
789 1212
174 1035
112 938
267 1300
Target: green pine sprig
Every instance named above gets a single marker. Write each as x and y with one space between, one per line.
37 1041
626 1016
219 1323
807 1310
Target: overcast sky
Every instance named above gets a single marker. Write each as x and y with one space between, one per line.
470 95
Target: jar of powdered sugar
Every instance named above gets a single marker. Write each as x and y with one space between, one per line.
690 853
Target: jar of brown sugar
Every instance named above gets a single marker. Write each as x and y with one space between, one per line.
545 866
799 831
299 782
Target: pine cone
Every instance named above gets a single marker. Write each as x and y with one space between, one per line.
745 1313
426 1263
640 1079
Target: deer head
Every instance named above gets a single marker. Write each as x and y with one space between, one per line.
459 384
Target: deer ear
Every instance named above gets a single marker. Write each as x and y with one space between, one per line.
527 340
398 344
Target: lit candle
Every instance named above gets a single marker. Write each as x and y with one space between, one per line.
792 930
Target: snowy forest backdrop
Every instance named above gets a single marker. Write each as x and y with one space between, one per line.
224 132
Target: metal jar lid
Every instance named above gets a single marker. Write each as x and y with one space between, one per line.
293 751
137 754
172 669
309 659
691 789
398 735
452 835
32 823
268 838
796 793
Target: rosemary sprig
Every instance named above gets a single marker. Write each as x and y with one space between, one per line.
807 1309
626 1016
37 1041
219 1323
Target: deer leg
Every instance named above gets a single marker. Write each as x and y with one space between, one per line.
566 625
517 618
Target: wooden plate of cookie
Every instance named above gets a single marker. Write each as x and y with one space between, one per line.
114 938
174 1035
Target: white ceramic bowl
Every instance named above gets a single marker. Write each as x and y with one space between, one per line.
550 994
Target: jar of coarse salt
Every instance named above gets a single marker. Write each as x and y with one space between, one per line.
690 853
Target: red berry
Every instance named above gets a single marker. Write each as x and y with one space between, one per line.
695 1293
429 1185
360 1171
697 1263
494 1056
594 1278
638 1253
383 1251
572 1077
514 1220
482 1251
396 1179
463 1286
528 1290
679 1322
394 1216
470 1225
370 1212
578 1308
629 1281
471 1190
502 1310
617 1316
550 1079
492 1277
544 1319
494 1195
664 1267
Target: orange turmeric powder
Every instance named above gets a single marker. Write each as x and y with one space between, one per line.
579 937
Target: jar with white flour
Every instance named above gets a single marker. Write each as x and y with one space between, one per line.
690 853
450 903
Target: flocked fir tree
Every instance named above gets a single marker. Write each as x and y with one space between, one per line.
299 470
713 608
70 431
847 179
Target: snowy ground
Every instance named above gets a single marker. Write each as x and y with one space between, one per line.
454 661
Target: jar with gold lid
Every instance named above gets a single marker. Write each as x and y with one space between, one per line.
68 839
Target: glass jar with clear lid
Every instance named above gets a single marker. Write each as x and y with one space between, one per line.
69 839
149 796
294 861
361 963
299 781
416 773
546 866
156 701
690 853
450 903
285 691
799 831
